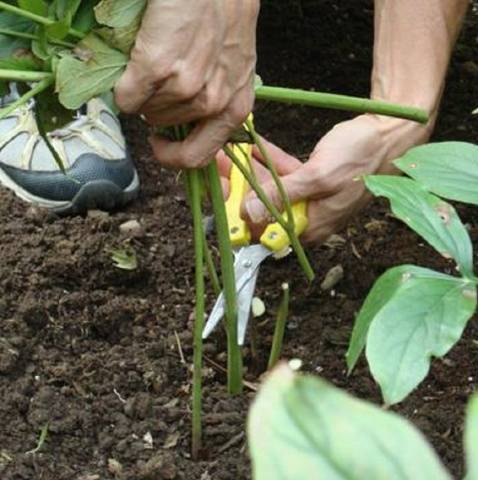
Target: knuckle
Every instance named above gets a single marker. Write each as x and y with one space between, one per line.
213 105
187 86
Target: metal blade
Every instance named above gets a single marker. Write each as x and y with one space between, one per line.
244 302
247 262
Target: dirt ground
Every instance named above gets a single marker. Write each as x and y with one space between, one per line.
92 351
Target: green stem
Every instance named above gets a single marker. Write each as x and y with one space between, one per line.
234 367
275 176
36 18
246 155
43 85
253 339
211 268
31 36
282 315
294 241
340 102
194 179
24 76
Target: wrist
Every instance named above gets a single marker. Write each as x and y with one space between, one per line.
397 137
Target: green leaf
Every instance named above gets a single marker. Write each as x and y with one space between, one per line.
382 291
424 318
59 30
122 39
24 63
80 80
9 44
38 7
471 438
448 169
429 216
85 20
303 428
119 13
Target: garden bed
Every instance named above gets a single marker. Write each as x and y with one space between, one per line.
103 356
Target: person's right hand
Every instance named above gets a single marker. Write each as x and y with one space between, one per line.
329 179
194 61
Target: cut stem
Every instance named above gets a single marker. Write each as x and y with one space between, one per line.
194 183
24 75
234 364
282 315
294 241
36 18
31 36
40 87
340 102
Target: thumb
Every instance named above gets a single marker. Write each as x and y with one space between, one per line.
254 211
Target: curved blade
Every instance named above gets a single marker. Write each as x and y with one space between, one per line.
244 302
246 265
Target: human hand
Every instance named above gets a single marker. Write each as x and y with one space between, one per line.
194 61
328 180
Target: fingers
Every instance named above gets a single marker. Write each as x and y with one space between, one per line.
207 138
283 162
226 186
224 164
254 211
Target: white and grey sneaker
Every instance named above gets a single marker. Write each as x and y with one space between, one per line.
99 171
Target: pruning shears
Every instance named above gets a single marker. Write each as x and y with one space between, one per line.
249 257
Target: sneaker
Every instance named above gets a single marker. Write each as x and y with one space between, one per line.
99 171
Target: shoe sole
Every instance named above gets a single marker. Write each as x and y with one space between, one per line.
94 195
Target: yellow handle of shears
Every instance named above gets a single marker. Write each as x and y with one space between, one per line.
274 238
238 230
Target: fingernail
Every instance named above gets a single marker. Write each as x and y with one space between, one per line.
256 210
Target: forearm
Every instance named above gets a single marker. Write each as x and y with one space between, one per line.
413 44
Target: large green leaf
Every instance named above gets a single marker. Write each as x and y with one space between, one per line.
119 13
424 318
383 290
9 44
80 80
302 428
449 169
471 439
432 218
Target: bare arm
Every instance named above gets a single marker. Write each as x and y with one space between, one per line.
413 44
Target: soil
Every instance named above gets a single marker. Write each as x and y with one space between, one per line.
102 356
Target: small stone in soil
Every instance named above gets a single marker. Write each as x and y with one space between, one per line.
132 228
332 278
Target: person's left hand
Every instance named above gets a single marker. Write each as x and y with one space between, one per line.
193 62
329 179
